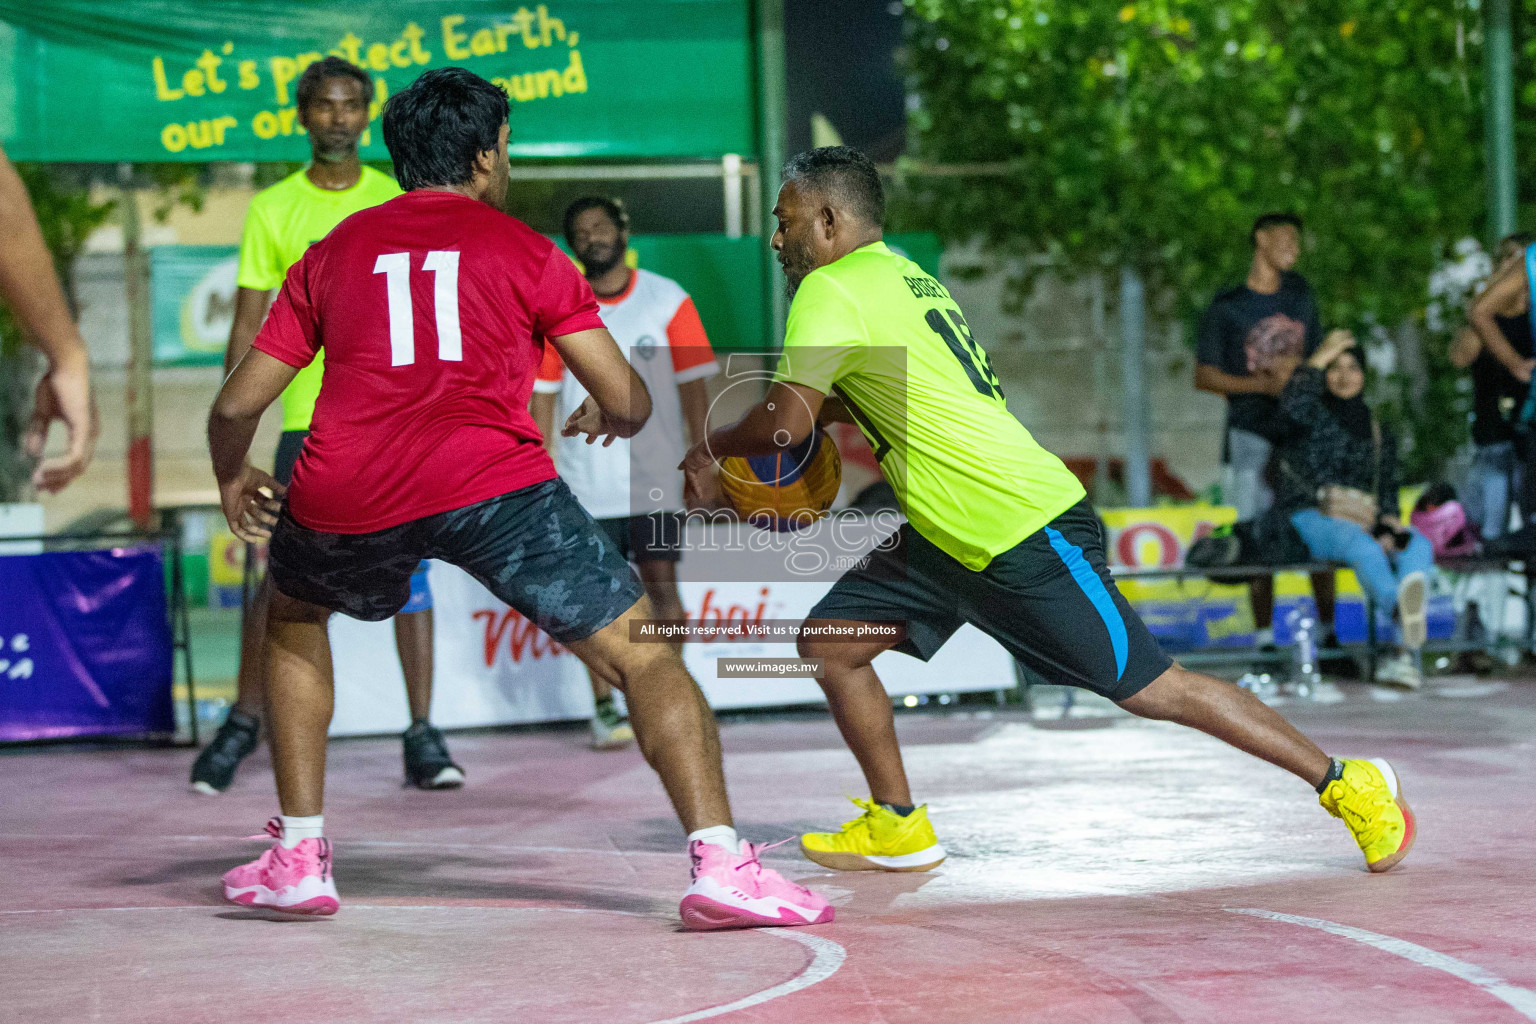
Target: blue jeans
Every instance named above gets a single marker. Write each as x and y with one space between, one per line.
1337 540
1491 487
1245 486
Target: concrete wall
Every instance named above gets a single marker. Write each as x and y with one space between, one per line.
1062 376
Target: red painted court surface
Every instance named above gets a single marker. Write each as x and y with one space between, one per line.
1110 870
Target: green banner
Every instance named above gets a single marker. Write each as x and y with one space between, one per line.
204 80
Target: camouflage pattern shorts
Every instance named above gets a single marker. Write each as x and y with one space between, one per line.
536 549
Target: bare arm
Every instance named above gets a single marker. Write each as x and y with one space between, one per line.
617 403
542 408
248 495
31 288
27 277
834 411
694 396
1333 346
703 491
784 418
250 310
1501 290
1464 348
1218 382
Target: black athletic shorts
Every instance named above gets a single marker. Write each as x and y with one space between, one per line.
536 549
656 537
1049 601
289 444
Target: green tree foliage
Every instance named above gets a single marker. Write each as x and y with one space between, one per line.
1153 132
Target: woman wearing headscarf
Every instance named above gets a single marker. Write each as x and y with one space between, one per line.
1337 477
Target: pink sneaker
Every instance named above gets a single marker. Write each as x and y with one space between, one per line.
734 890
296 881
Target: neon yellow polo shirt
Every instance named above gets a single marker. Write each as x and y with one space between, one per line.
281 223
880 333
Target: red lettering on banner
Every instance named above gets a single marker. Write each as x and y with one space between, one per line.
726 616
522 636
1126 547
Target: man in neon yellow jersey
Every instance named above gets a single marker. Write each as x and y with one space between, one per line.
999 532
332 97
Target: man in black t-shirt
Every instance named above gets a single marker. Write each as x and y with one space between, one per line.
1251 338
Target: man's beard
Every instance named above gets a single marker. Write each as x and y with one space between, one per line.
335 148
599 259
792 278
796 265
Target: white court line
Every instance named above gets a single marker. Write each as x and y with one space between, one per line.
829 955
1522 999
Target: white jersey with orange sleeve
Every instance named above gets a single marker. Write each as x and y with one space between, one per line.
657 327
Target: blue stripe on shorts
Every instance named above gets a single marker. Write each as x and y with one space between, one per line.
1096 592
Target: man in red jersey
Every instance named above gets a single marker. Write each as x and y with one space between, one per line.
433 310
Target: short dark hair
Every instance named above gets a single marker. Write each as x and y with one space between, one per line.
842 172
436 128
1521 238
315 75
614 208
1273 219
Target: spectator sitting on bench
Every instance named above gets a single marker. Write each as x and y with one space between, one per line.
1337 477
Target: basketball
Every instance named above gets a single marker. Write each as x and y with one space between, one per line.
786 491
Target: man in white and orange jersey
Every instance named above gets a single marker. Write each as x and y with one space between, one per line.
633 488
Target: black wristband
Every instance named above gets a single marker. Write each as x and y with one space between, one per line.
1335 772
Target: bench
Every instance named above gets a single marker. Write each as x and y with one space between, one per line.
1372 647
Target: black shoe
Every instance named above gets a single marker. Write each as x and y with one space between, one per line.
1333 662
214 768
1479 663
427 764
1270 661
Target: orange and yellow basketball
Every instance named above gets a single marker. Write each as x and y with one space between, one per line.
785 491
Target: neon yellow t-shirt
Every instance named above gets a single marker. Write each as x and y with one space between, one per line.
880 333
281 223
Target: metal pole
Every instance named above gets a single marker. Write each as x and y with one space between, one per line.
140 396
771 115
1103 452
1135 421
1499 131
730 171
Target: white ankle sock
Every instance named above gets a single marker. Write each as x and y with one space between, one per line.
722 836
296 830
1264 636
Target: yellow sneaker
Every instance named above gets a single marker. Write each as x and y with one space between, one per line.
877 840
1369 800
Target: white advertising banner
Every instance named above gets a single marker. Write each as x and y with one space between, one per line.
493 667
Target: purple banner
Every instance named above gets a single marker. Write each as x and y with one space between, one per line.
85 644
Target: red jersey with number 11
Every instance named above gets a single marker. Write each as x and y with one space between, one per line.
432 309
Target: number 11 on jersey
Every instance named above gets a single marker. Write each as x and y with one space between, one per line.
396 268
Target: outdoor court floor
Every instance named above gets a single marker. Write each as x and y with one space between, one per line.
1102 869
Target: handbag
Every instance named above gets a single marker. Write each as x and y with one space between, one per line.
1350 503
1446 527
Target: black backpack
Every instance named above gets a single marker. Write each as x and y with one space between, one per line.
1268 540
